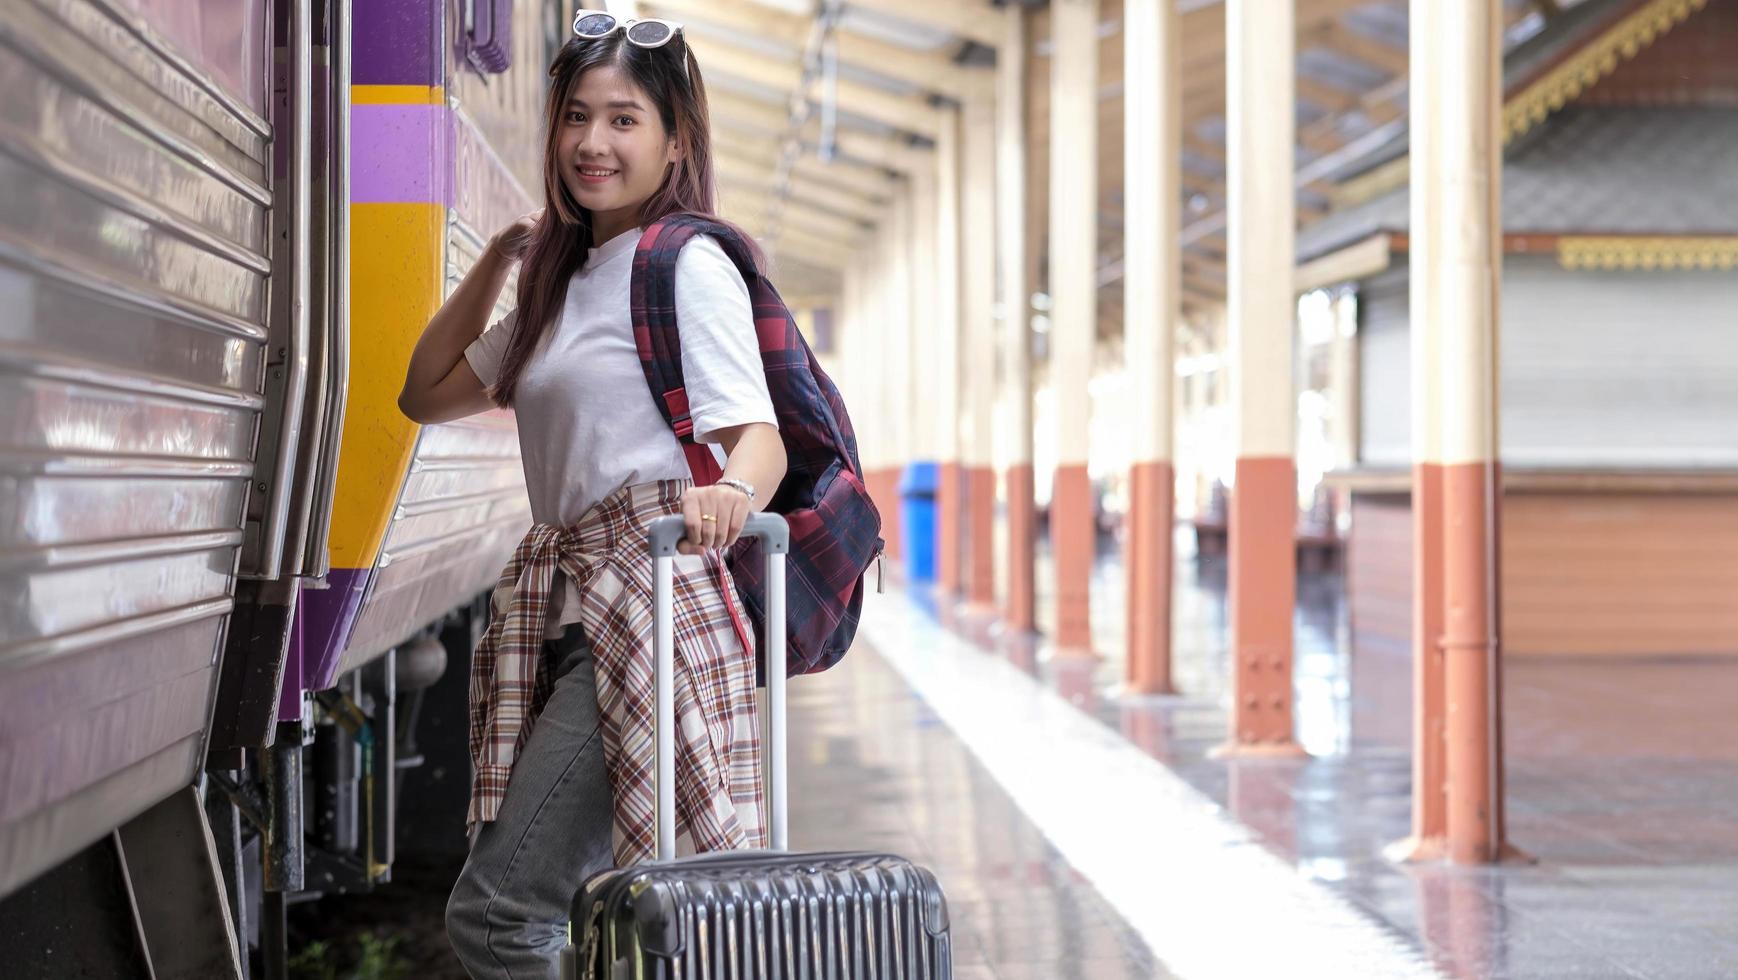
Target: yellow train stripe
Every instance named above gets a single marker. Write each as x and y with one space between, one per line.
397 95
396 283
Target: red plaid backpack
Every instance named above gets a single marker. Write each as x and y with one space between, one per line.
835 528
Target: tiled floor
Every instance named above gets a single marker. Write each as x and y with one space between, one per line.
1622 779
872 767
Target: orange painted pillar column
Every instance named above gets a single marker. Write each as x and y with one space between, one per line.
863 375
978 354
1152 147
1018 601
894 333
1456 271
1429 838
922 365
1259 63
946 325
1074 307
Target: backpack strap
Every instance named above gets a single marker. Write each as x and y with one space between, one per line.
653 303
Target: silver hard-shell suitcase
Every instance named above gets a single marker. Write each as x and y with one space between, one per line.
752 915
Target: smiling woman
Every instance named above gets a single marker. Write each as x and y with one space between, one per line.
627 146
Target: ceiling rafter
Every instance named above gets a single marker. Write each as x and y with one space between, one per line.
926 70
974 20
1324 95
847 230
819 247
823 198
850 197
736 125
1343 39
898 111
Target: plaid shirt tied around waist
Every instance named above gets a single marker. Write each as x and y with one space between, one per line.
718 790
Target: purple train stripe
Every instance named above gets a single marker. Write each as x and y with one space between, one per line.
396 42
400 154
324 618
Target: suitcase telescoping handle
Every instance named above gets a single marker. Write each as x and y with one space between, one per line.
775 538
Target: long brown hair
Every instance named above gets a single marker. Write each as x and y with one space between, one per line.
559 242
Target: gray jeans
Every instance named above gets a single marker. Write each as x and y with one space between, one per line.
507 917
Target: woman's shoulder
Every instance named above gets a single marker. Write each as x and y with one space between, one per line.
703 247
704 257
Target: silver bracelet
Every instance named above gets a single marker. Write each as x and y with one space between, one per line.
742 485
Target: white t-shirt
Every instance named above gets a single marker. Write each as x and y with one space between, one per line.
588 424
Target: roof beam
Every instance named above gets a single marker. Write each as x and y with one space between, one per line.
1202 148
925 70
817 201
847 231
974 20
854 193
1328 98
877 151
819 247
854 174
745 111
1340 38
1378 106
901 112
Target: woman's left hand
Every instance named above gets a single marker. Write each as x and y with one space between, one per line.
728 509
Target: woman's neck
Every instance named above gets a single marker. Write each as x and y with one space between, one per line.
607 226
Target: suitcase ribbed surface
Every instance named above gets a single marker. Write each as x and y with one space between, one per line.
765 915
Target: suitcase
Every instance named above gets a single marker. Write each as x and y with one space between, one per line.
752 915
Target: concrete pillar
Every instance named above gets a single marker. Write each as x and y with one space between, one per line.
1074 305
943 404
862 378
1259 58
1152 193
1456 256
978 360
1343 383
924 369
895 308
1014 301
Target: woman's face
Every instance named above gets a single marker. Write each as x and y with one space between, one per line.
613 148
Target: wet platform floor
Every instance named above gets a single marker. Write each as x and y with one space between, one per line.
1622 778
872 767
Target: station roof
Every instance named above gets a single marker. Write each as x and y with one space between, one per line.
1590 171
901 59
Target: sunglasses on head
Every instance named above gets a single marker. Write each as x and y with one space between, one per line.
648 33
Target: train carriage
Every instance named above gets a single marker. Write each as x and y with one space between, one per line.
225 224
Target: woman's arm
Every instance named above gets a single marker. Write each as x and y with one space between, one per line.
755 455
439 385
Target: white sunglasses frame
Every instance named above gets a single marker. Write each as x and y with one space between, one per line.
624 25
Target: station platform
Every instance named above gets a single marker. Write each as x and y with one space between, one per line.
1083 834
1621 776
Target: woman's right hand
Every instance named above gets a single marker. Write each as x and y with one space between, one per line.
510 242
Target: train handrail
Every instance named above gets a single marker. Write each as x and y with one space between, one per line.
317 561
270 541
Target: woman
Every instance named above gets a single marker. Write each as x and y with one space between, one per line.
561 685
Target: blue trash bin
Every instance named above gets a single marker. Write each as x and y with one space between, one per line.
917 506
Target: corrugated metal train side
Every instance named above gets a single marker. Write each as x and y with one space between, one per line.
229 567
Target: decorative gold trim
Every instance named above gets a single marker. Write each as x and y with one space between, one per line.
1562 84
1647 254
1556 89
